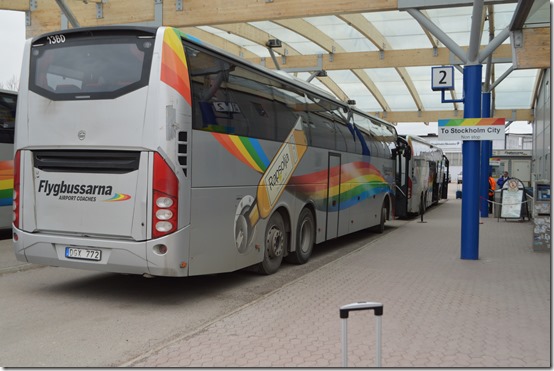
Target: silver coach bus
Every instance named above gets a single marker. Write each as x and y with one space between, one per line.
146 151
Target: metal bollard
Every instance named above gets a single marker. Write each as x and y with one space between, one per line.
363 305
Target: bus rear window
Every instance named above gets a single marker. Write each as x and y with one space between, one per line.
77 66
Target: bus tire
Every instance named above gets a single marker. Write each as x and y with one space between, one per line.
275 245
305 237
380 228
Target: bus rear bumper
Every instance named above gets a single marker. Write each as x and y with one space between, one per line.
118 256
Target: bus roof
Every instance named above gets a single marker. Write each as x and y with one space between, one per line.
278 74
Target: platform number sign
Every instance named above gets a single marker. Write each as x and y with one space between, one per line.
442 78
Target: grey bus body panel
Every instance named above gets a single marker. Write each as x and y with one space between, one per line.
87 203
121 256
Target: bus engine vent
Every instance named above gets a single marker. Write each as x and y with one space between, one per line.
182 151
107 162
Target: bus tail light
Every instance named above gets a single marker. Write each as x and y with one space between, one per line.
165 198
16 189
409 188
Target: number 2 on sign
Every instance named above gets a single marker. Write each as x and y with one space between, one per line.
443 78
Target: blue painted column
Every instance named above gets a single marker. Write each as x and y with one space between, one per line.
471 160
486 154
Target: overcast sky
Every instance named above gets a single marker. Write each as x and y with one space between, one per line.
12 40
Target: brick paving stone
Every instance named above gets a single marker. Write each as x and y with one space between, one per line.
439 310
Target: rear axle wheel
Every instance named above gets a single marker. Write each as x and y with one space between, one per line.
275 245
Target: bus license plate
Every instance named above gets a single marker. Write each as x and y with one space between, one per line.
85 254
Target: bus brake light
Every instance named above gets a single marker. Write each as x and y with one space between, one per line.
165 198
409 188
16 189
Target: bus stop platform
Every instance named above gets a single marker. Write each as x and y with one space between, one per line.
439 310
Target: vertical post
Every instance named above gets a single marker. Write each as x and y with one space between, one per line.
484 181
471 153
378 341
486 153
344 342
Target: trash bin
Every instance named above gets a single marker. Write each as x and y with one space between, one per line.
497 206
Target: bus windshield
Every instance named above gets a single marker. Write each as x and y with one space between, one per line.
83 66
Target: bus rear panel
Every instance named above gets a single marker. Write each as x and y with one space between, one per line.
87 157
421 176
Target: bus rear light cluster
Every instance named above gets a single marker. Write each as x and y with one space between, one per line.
16 190
409 188
165 196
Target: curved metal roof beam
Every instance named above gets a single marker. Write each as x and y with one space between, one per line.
258 36
312 33
362 25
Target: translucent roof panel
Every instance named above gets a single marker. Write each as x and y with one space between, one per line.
515 91
392 87
456 22
238 40
354 88
301 44
343 34
539 14
400 29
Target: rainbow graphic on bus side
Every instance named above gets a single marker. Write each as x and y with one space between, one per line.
119 197
358 180
247 150
6 183
174 70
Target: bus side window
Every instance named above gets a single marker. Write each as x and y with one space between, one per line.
367 140
322 132
234 100
345 140
289 104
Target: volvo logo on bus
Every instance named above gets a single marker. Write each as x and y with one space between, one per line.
81 134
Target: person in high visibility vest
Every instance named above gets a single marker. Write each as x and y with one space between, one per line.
492 188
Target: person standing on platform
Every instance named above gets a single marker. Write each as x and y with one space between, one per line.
502 179
492 188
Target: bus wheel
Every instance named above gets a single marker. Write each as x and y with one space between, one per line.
304 239
380 228
275 245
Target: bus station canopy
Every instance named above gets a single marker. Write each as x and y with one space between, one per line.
372 52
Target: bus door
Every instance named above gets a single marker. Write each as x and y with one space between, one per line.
446 177
333 195
434 178
401 192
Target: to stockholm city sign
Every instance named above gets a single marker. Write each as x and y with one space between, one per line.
471 129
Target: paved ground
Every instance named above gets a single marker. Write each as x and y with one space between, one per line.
8 262
439 310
